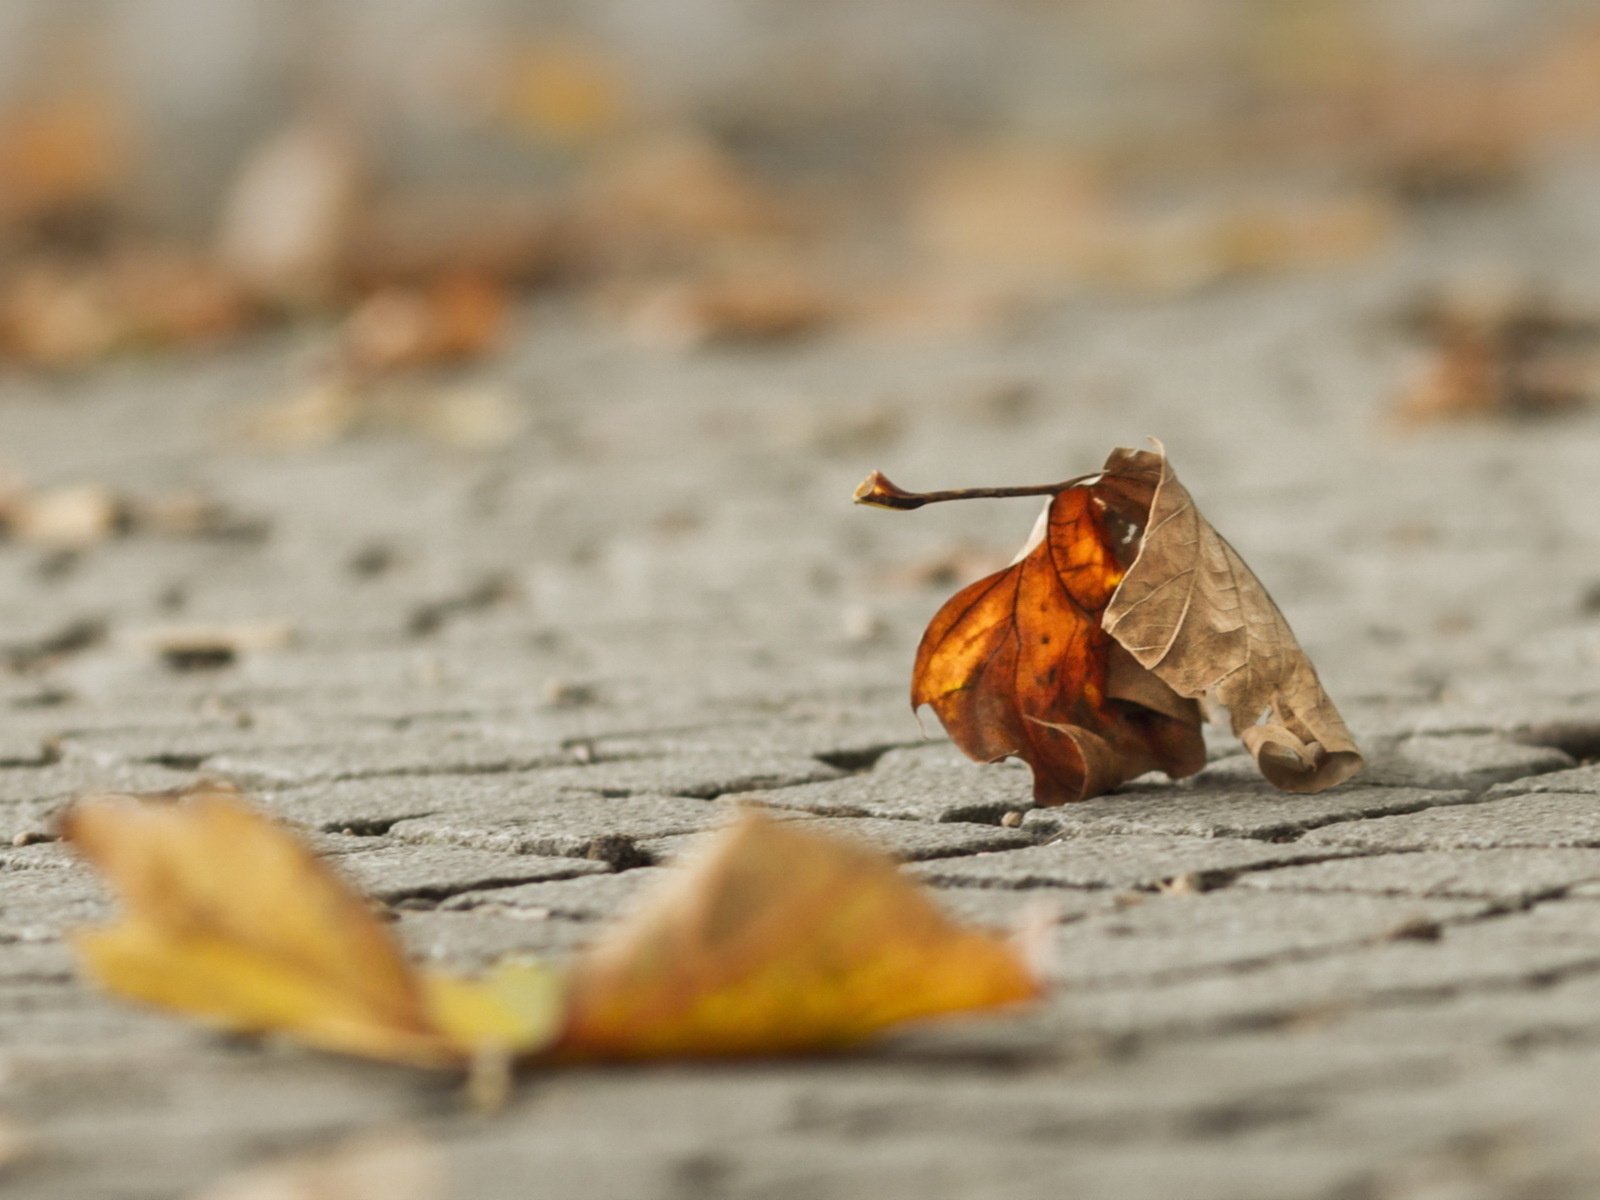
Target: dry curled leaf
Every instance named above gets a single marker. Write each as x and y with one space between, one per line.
1017 664
455 318
1191 611
1085 657
750 305
781 941
778 941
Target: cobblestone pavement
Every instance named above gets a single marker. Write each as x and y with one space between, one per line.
521 680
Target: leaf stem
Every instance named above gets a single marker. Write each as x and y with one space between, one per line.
877 491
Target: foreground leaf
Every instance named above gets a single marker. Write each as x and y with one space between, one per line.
1191 611
780 941
777 941
233 919
1018 664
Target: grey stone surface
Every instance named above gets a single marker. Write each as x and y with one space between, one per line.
1128 861
1515 875
1203 808
1388 991
1581 780
425 872
909 841
1171 938
1536 819
953 792
573 824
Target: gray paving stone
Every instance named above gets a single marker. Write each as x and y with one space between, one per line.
37 906
1505 953
60 781
909 841
589 898
469 942
1009 909
1126 861
1533 820
1231 810
1171 937
1515 875
433 872
575 824
957 792
1584 780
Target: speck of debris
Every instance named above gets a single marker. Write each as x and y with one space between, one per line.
1417 929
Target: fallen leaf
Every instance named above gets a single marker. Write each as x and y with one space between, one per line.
381 1165
750 305
171 297
289 214
780 941
62 157
1013 213
672 202
72 516
1086 656
1194 614
456 317
1499 354
54 315
1017 664
18 1144
411 239
232 919
775 941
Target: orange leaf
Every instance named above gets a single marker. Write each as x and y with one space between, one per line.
780 941
1018 664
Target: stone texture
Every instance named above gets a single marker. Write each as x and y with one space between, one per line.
1516 876
1128 861
1536 819
1390 991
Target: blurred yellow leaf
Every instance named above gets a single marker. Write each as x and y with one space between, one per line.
780 941
777 941
231 918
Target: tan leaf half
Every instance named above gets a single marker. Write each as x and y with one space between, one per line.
1191 611
780 941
